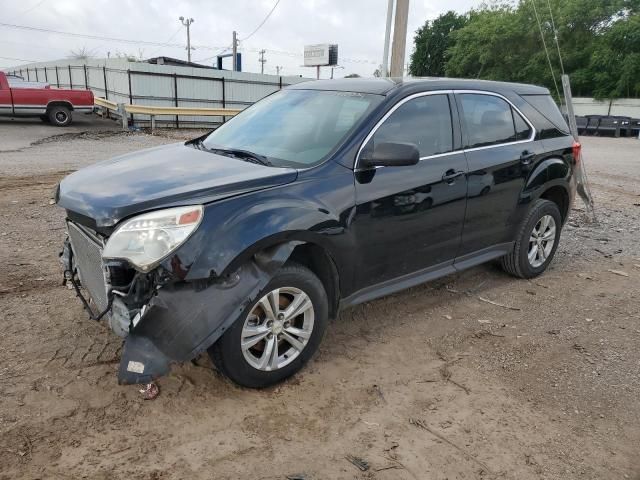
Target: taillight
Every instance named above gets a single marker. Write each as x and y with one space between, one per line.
577 151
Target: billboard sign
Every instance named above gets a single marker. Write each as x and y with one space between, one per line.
320 55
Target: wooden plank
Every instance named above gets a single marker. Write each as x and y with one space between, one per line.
147 110
102 102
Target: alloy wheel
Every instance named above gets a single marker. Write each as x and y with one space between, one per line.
541 241
277 328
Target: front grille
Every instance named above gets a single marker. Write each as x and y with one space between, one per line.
87 255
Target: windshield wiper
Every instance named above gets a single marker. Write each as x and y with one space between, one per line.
242 154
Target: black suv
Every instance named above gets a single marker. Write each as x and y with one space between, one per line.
326 194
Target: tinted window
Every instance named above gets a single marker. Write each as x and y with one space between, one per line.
545 105
424 121
487 119
296 128
523 130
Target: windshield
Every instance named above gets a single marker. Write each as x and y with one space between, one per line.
294 128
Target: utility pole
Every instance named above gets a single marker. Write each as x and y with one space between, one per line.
387 40
399 38
187 23
235 51
262 60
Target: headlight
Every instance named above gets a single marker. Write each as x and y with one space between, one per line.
148 238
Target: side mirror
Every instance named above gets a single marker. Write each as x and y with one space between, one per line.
390 154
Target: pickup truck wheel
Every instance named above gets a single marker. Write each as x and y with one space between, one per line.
536 242
278 333
59 116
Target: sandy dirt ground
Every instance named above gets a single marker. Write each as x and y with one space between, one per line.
432 383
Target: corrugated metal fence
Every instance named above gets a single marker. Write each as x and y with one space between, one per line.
627 107
160 85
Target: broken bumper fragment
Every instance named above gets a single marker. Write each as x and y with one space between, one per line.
162 318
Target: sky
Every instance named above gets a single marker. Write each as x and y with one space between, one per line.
357 26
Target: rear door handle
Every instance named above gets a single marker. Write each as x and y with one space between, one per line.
450 175
526 157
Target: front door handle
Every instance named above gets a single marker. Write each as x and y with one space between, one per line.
450 175
526 157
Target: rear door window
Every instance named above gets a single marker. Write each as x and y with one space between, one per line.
423 121
523 130
488 120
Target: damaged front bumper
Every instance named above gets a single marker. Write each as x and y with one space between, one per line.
163 318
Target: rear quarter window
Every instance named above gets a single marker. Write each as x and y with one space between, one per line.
546 107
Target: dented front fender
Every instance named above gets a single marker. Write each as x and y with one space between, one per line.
185 318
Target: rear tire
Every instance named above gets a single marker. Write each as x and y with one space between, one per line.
59 116
291 337
536 242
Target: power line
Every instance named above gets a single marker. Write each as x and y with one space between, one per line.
544 43
20 59
167 44
31 45
261 23
555 36
31 8
220 52
170 38
100 37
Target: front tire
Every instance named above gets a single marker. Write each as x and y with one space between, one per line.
278 333
536 242
59 116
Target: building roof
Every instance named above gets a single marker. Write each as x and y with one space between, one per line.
175 62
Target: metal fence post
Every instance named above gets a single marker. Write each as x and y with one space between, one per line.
46 77
224 100
123 116
175 99
57 78
70 78
28 75
153 123
280 83
130 93
106 90
86 82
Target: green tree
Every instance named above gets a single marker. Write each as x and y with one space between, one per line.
615 62
599 42
431 42
492 45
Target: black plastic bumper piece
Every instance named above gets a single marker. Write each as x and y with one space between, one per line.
141 361
183 319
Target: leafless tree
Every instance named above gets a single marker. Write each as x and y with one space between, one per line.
82 53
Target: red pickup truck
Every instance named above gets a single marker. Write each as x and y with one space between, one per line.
28 99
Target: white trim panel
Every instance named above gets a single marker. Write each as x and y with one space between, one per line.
29 109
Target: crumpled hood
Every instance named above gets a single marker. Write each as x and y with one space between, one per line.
169 175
